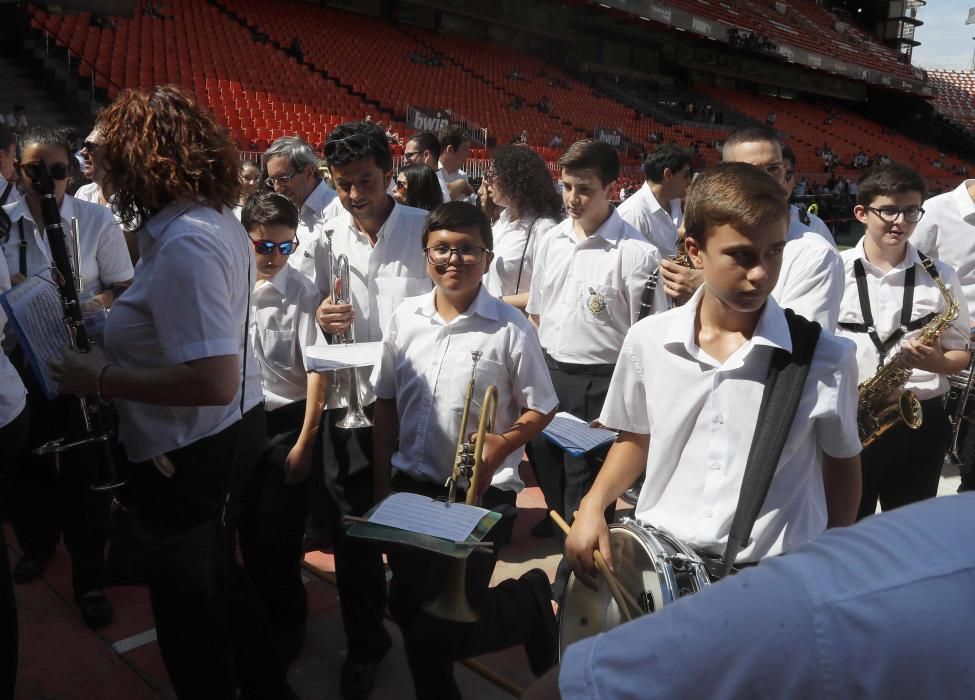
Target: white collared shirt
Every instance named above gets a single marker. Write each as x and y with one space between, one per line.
13 395
886 292
380 276
811 279
104 256
442 179
877 610
283 325
426 367
947 232
189 300
642 211
13 196
701 416
510 237
89 193
816 225
310 217
587 293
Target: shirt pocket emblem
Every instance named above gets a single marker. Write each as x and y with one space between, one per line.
595 302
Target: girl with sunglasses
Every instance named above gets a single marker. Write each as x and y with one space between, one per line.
47 502
418 186
186 384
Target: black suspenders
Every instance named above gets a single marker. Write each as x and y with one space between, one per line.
22 247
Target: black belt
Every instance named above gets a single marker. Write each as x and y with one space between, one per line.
573 368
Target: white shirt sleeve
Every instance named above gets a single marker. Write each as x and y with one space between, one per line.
531 382
836 432
383 378
814 284
925 236
957 337
625 407
534 305
114 262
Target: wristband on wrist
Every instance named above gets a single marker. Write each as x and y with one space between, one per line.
98 381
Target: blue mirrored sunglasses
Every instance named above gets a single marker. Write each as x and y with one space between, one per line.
266 247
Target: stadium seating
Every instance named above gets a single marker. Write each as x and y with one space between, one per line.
956 95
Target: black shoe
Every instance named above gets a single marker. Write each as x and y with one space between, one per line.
542 645
543 528
358 677
96 609
29 568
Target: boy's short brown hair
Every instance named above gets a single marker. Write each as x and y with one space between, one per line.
887 180
597 156
736 194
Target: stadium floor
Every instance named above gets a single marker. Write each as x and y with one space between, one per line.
61 659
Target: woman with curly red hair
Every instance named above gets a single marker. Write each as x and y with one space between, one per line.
182 374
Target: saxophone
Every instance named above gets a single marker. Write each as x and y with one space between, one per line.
876 412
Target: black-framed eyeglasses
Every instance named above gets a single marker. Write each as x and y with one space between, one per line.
57 171
266 247
889 214
357 141
774 169
411 156
250 179
468 254
279 180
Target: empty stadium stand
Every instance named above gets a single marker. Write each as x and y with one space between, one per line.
956 96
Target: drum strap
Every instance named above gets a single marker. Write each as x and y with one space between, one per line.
780 401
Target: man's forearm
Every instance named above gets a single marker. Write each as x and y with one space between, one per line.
626 461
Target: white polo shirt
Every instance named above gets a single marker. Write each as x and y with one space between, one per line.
189 300
89 193
310 216
380 276
811 279
426 366
876 610
510 236
947 232
701 416
283 325
642 211
587 292
13 195
13 395
886 292
104 256
816 225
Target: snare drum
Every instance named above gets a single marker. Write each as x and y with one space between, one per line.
651 564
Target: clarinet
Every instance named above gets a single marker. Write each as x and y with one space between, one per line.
64 277
681 258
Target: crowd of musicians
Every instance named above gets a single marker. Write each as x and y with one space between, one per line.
658 319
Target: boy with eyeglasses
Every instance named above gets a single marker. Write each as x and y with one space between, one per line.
283 325
890 295
420 384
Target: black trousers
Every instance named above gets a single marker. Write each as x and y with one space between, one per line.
904 466
359 570
271 531
49 500
565 479
213 641
508 612
13 440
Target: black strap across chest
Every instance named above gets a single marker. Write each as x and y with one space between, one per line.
524 252
22 248
6 193
906 323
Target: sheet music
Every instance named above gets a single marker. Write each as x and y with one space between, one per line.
575 436
415 513
34 309
325 358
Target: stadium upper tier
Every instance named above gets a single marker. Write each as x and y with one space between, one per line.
956 95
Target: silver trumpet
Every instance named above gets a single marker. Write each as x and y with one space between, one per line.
355 417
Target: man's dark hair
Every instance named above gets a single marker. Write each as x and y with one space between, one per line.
44 136
7 137
788 157
268 209
426 141
749 134
457 216
453 135
667 156
347 148
590 154
888 180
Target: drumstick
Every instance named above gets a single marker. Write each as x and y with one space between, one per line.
622 598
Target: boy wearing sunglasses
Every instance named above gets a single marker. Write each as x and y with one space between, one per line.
282 327
890 295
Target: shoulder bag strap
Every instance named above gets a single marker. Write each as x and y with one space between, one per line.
6 193
524 252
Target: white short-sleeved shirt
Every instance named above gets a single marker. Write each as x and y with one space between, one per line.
701 415
310 217
283 325
89 193
947 232
886 292
587 292
811 279
13 195
13 395
426 366
104 256
380 276
816 225
642 211
189 300
510 237
876 610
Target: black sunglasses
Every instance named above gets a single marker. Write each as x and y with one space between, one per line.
35 171
357 141
91 147
266 247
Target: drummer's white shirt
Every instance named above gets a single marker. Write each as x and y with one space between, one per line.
947 232
881 609
642 211
811 278
426 367
701 417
